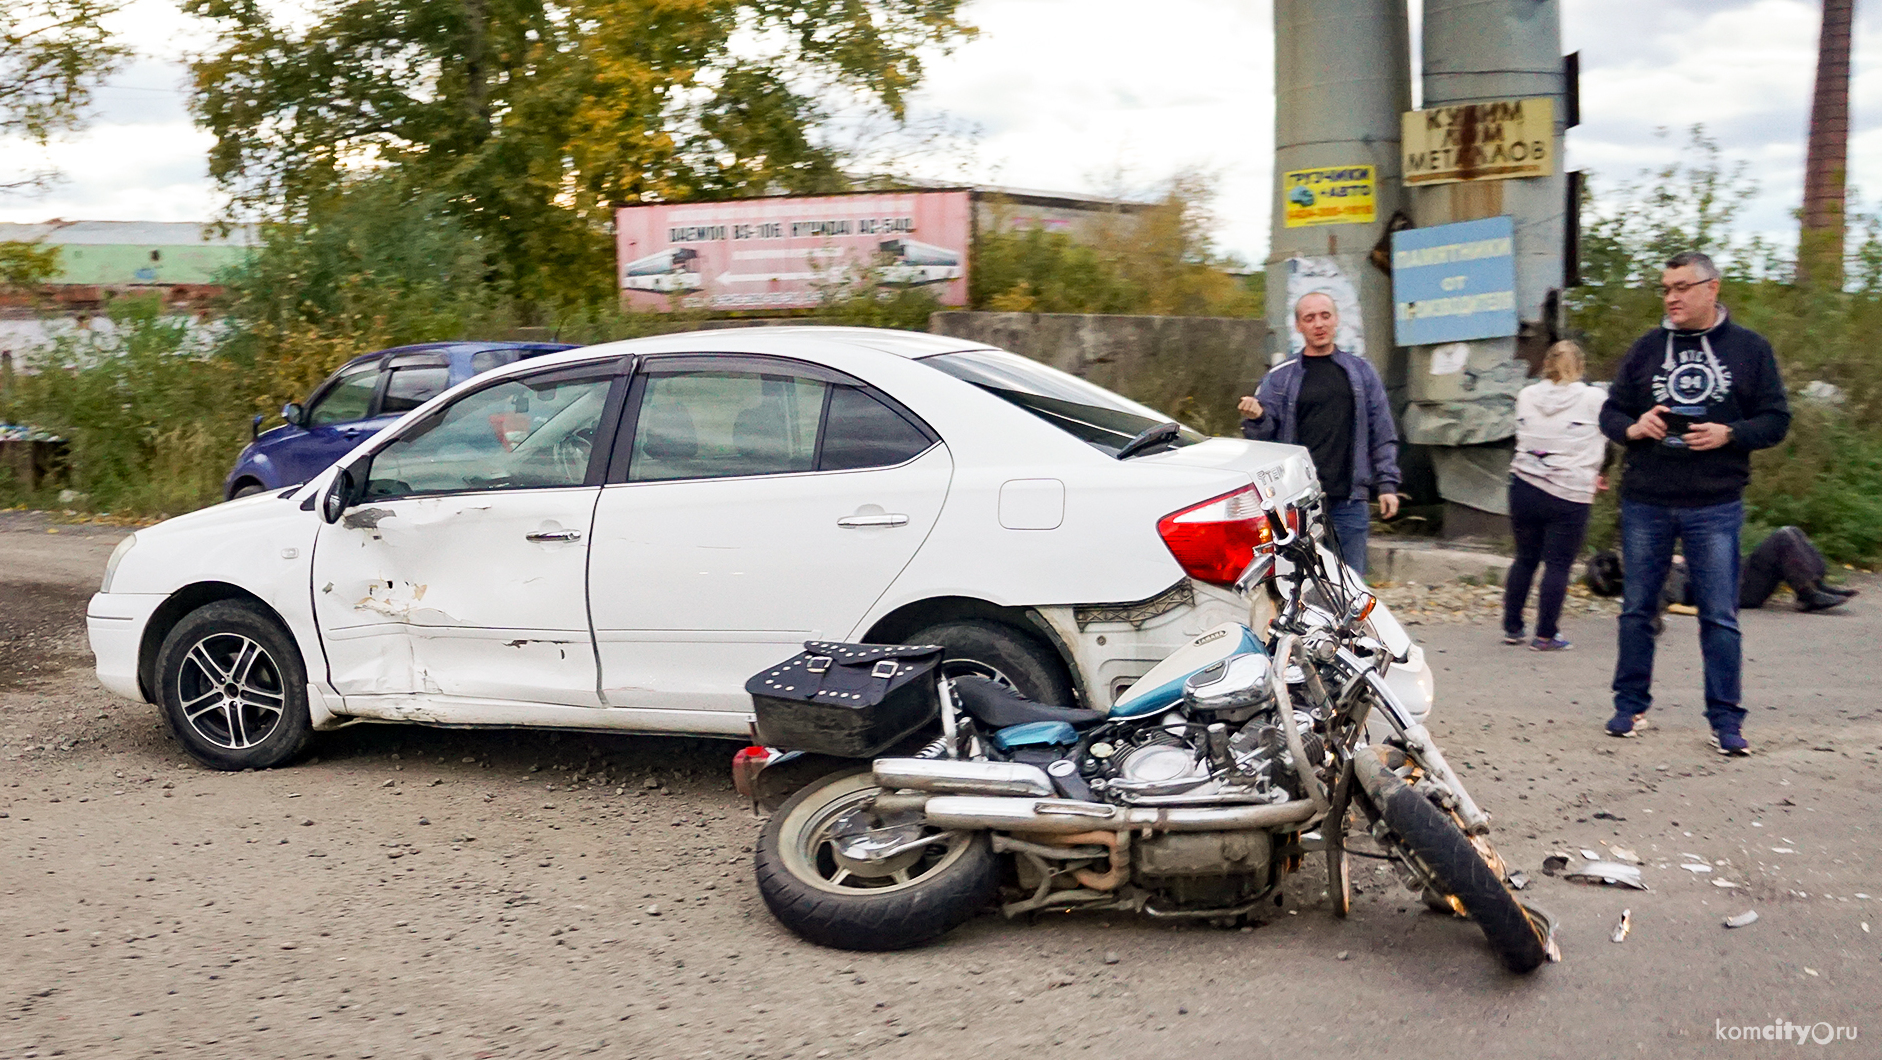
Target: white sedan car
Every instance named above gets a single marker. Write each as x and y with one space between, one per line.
616 537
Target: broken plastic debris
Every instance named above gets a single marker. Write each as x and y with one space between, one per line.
1691 867
1607 872
1590 855
1744 919
1554 863
1723 883
1621 929
1519 880
1624 854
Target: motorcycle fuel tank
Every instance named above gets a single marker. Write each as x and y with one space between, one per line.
1162 687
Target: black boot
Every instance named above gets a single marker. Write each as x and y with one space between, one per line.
1815 599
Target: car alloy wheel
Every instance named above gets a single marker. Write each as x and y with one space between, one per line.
230 691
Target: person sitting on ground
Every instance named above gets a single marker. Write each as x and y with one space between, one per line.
1786 557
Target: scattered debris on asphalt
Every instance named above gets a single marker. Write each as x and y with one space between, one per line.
1607 872
1744 919
1621 929
1554 863
1624 854
1695 867
1519 880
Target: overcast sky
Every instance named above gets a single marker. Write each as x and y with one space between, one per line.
1067 96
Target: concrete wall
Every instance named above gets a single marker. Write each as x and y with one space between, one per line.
1193 368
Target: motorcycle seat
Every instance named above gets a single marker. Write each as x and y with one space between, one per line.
997 706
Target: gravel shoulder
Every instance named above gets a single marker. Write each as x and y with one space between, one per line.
415 892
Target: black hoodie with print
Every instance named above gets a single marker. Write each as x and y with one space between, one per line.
1723 374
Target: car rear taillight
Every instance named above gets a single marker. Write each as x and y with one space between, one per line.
1216 540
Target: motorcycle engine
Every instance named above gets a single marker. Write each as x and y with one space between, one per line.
1224 744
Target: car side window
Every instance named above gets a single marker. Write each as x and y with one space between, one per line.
411 387
862 431
534 432
349 399
712 424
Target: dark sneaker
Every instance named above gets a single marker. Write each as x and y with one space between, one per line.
1514 638
1555 643
1843 591
1624 724
1818 600
1730 743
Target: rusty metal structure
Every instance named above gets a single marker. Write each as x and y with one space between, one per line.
1820 243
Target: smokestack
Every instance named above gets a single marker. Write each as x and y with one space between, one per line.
1820 244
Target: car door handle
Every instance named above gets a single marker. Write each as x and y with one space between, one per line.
554 535
851 522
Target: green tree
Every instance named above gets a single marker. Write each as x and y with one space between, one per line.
531 119
52 54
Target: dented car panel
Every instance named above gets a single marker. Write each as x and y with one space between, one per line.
460 596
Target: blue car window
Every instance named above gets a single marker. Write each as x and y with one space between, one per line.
349 400
412 387
518 434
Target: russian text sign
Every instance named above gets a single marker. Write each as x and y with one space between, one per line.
1331 195
793 252
1454 282
1497 140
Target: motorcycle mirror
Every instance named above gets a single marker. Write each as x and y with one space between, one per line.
339 496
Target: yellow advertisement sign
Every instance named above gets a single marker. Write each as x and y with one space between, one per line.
1333 195
1498 140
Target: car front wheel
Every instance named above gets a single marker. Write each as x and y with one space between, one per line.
232 688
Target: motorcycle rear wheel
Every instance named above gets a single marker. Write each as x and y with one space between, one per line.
850 904
1454 864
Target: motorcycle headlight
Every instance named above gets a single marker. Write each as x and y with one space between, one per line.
117 557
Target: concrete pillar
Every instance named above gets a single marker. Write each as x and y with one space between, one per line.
1475 51
1342 78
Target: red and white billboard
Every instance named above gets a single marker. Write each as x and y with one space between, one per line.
794 252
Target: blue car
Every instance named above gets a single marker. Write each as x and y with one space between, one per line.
365 395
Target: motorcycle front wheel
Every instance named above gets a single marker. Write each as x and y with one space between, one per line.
1452 864
815 880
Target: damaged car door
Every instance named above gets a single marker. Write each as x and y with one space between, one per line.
460 574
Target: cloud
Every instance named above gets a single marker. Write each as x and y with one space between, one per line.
1070 96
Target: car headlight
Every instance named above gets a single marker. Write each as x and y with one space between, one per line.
117 557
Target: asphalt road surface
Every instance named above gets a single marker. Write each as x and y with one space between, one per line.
425 893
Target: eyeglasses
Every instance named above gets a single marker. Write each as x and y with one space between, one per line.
1682 288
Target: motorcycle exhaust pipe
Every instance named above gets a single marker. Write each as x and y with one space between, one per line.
1067 816
961 778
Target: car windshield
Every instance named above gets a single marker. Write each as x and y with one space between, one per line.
1084 410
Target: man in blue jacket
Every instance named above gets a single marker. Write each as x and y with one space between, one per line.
1691 401
1333 403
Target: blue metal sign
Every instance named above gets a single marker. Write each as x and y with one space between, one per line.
1454 282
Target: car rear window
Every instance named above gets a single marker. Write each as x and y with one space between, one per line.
1081 409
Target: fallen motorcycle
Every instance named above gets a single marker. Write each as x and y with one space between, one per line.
1207 782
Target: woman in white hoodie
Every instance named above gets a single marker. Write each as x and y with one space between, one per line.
1559 452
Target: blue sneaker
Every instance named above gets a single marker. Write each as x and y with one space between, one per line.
1514 638
1624 724
1555 643
1731 743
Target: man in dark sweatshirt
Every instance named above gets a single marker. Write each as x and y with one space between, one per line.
1690 401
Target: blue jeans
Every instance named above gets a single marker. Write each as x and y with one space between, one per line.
1710 538
1351 520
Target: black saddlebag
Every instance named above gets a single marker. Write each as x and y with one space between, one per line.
850 700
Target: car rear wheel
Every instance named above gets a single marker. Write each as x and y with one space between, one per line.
232 688
976 647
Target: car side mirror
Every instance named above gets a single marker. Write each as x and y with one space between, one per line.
293 413
340 495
